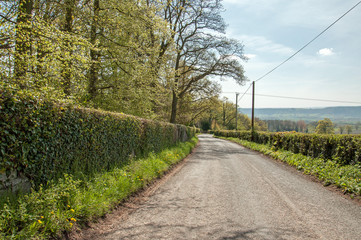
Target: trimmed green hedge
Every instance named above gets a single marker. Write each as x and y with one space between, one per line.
43 140
343 149
346 177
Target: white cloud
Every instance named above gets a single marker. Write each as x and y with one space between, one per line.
254 4
263 45
326 52
250 56
273 30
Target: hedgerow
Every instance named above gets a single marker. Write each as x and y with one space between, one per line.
49 212
346 177
342 149
42 139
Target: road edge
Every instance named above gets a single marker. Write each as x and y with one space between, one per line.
312 178
121 212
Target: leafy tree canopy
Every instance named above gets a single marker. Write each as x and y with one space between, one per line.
325 126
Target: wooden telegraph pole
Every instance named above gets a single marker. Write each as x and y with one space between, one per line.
252 126
236 109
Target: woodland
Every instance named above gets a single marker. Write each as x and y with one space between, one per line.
155 59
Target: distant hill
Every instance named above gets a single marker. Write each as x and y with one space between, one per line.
336 114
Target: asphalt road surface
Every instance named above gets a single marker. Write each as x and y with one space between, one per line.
225 191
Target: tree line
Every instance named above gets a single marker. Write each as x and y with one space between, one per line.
156 59
325 126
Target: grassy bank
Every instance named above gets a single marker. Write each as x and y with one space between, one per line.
52 210
346 177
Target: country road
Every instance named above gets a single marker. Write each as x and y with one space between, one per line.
225 191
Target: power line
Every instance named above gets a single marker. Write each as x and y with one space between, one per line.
308 43
246 91
239 99
307 99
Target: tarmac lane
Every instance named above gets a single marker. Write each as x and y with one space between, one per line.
225 191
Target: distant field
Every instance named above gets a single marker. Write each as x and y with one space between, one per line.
340 115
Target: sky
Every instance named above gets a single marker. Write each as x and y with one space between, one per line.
273 30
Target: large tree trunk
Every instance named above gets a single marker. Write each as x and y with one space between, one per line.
94 54
173 115
68 28
23 41
42 53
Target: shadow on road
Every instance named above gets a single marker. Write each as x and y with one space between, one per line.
221 231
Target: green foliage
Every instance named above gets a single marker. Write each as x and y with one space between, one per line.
221 114
44 139
325 126
47 212
346 177
342 149
131 56
348 129
286 126
55 49
44 210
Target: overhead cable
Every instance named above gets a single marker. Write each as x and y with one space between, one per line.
308 42
245 92
307 99
242 94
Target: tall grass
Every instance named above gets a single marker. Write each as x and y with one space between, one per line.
49 211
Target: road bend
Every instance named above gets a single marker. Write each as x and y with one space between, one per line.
228 192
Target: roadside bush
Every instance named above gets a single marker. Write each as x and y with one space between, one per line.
43 140
342 149
49 212
347 177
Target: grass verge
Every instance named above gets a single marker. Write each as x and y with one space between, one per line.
52 210
347 177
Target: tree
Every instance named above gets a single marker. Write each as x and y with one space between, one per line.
39 48
126 39
348 129
199 48
8 14
302 126
149 58
94 51
68 24
357 125
23 40
260 125
99 53
221 114
325 126
202 98
342 129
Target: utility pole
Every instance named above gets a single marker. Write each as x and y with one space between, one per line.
253 89
236 109
224 114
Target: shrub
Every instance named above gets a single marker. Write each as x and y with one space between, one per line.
342 149
47 212
43 140
346 177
